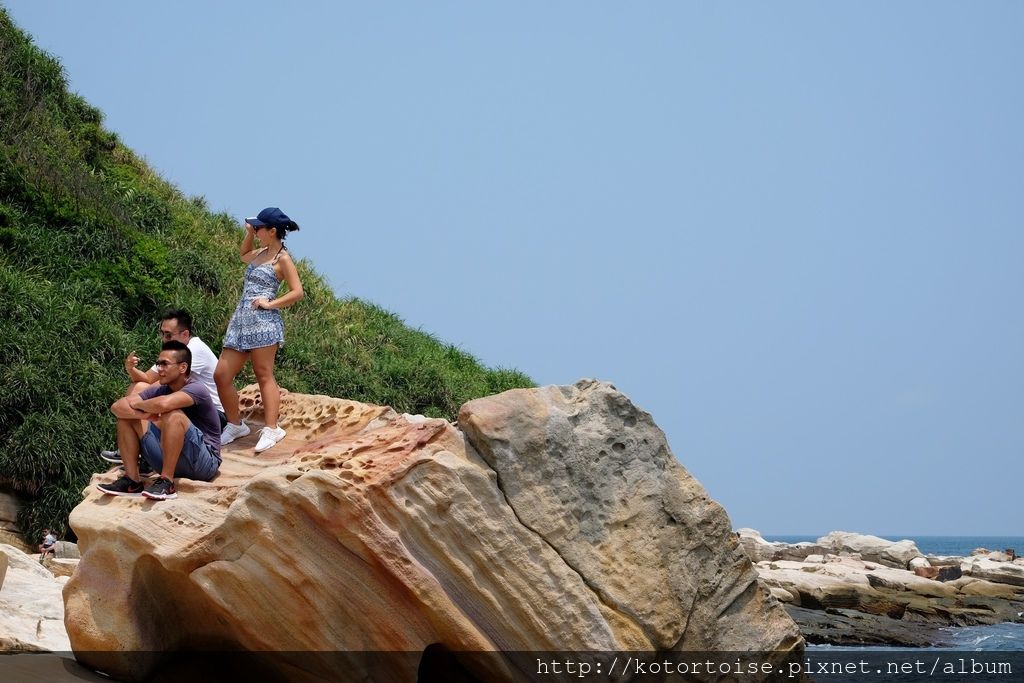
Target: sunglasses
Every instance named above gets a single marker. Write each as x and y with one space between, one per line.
166 363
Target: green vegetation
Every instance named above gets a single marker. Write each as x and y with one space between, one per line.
93 245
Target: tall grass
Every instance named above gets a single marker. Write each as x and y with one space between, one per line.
94 245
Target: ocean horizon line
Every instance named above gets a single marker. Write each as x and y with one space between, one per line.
766 534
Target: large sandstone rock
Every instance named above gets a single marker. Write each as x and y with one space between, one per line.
366 530
31 609
593 476
896 554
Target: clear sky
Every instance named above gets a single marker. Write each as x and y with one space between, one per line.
792 232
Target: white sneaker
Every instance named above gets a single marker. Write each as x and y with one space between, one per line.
268 437
233 431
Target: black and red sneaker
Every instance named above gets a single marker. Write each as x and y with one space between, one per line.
160 489
123 486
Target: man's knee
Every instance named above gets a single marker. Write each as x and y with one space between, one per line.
171 419
137 388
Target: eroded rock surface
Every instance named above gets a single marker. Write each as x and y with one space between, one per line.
368 530
593 475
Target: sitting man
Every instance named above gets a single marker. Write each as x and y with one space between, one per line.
183 438
175 325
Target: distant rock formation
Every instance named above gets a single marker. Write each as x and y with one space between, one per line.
897 597
995 570
551 519
895 554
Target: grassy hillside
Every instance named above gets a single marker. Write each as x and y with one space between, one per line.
93 245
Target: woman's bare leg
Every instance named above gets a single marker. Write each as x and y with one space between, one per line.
263 367
230 364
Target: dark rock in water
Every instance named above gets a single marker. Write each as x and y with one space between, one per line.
849 627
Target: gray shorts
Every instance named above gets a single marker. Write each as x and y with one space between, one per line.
196 460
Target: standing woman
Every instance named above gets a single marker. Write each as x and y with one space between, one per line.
256 330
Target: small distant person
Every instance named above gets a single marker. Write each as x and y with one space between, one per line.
183 434
175 325
256 330
47 546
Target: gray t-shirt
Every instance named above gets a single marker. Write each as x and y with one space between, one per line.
201 413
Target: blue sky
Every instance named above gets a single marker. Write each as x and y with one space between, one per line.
791 232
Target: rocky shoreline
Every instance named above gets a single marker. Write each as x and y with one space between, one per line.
853 589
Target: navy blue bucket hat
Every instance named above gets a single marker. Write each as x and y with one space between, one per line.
274 217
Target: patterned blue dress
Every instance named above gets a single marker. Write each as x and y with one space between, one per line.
255 328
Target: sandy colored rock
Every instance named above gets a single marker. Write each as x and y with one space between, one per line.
60 567
980 587
992 570
366 530
31 609
593 476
